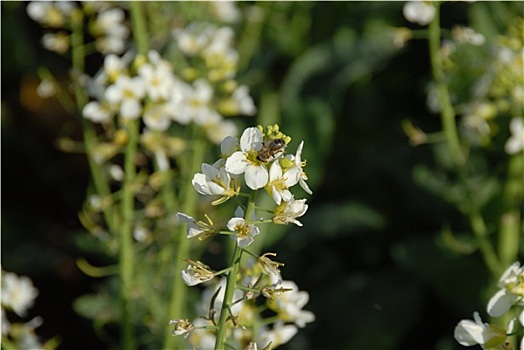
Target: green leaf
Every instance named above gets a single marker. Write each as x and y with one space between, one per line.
100 307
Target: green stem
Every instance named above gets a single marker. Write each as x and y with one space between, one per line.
126 256
232 281
126 235
447 112
90 139
189 199
228 296
511 228
139 27
480 231
449 125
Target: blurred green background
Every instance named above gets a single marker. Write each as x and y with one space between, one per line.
369 253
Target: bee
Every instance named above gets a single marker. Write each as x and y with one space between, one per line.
271 149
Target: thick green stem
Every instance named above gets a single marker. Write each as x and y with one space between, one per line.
126 256
126 235
139 27
228 296
232 281
177 305
511 228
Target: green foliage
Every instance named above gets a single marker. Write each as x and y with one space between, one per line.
394 236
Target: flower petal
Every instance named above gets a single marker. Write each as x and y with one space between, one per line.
469 333
500 303
237 163
229 145
251 139
244 241
234 222
275 172
256 177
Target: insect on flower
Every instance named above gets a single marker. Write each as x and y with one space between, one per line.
271 150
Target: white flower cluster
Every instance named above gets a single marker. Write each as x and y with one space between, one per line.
515 144
510 295
259 160
262 161
18 295
420 12
214 46
207 52
155 93
106 24
283 298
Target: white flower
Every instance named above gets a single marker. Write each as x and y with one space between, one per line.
111 31
181 327
127 93
26 337
193 103
158 77
226 11
515 143
279 335
194 38
269 266
110 22
245 162
114 66
37 10
251 346
475 121
243 101
288 304
198 101
50 13
279 182
141 234
288 212
58 42
161 160
421 12
229 145
178 101
470 333
299 164
18 292
98 113
239 103
467 35
110 44
195 228
116 172
512 291
157 117
219 129
195 273
220 56
47 88
501 302
244 231
216 181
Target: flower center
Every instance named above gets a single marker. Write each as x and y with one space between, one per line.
242 230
